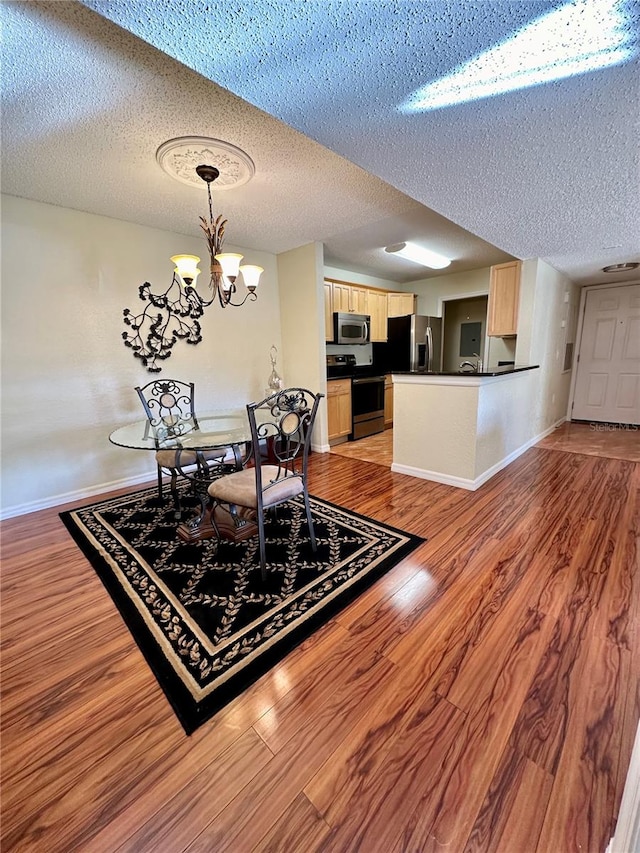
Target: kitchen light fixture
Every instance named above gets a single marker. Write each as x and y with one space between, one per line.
174 314
621 267
418 255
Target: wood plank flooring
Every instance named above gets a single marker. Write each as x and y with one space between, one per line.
615 441
483 696
376 448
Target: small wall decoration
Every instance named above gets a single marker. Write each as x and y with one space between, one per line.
274 382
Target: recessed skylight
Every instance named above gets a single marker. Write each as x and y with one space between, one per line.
581 36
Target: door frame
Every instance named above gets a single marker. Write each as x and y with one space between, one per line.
474 294
580 326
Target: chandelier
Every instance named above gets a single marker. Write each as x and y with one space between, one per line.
174 313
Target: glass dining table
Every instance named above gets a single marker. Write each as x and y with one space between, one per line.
226 431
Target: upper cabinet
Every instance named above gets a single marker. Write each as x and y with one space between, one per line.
399 304
504 293
355 299
377 301
349 299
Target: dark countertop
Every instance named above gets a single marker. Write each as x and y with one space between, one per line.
494 371
361 371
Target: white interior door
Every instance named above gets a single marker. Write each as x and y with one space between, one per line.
607 387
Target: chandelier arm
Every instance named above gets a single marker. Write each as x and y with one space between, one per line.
252 296
202 303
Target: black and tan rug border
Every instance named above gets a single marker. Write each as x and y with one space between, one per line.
192 705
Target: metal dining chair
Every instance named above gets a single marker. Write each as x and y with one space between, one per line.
281 427
169 405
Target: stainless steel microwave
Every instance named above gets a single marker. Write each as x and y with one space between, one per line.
351 328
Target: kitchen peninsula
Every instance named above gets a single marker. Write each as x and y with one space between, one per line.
462 428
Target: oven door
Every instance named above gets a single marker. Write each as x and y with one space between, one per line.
367 406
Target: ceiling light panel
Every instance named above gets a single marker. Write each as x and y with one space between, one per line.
419 255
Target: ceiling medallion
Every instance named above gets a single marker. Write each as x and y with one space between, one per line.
179 158
621 267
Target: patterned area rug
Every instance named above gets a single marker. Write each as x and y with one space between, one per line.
199 611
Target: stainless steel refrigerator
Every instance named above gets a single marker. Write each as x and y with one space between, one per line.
414 342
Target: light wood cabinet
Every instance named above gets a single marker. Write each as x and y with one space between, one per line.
359 300
349 299
354 299
388 401
377 302
341 297
339 408
504 294
399 304
328 311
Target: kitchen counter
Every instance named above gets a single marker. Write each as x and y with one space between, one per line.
462 428
493 371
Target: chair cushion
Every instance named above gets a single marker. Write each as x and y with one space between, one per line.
240 487
168 458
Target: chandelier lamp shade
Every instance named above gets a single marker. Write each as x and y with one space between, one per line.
174 313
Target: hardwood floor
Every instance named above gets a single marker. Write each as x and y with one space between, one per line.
483 696
376 448
612 440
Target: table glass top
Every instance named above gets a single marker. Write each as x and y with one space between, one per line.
210 431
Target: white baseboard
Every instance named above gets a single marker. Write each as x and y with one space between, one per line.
91 491
627 835
434 476
464 483
69 497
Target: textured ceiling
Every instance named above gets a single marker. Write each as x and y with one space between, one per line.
548 171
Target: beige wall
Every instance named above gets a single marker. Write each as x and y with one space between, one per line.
68 379
481 425
357 278
300 275
546 301
432 291
478 431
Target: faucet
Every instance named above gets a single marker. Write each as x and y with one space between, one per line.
475 368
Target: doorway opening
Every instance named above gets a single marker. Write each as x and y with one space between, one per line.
464 330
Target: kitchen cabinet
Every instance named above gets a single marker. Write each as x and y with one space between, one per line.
341 296
328 311
504 293
356 299
349 299
377 304
388 401
360 300
339 408
399 304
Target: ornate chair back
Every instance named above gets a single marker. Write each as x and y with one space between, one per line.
169 404
281 427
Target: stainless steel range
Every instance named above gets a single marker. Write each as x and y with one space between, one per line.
367 394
